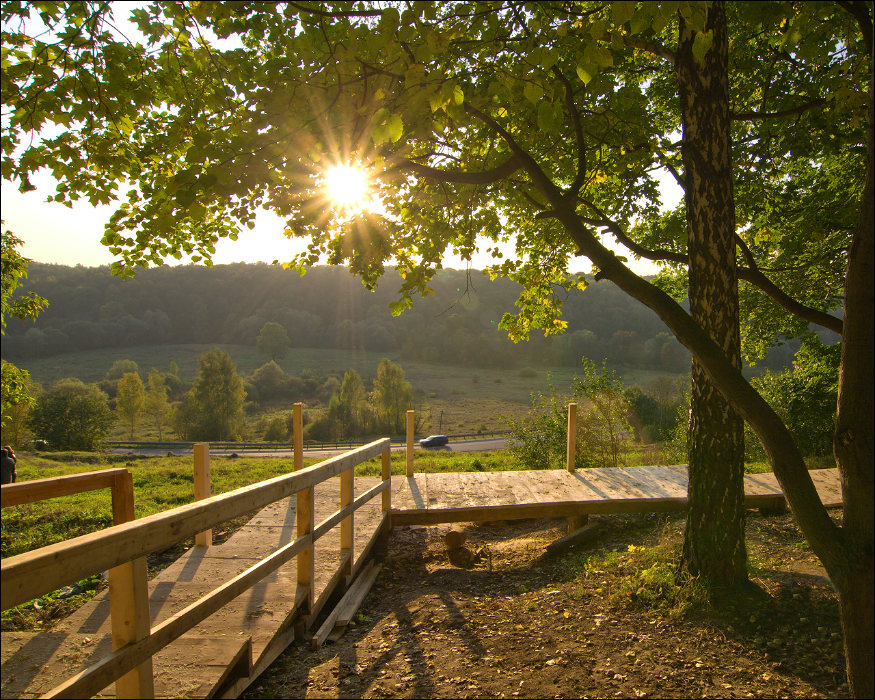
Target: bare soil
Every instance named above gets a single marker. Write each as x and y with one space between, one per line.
508 620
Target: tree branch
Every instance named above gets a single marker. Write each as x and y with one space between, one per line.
753 275
484 177
653 47
757 116
580 175
861 13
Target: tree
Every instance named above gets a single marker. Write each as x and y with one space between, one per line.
603 431
130 398
14 381
17 410
392 397
541 119
353 402
213 408
73 416
273 341
156 405
120 368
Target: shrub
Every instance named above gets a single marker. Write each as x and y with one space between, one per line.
74 416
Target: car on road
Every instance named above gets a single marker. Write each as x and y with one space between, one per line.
434 441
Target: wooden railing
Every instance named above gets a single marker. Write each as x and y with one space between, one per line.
35 573
128 585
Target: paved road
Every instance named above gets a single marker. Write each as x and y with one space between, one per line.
473 445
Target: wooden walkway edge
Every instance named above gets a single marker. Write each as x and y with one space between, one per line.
225 653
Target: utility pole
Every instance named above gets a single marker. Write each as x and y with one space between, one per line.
441 422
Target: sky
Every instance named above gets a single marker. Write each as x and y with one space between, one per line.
53 233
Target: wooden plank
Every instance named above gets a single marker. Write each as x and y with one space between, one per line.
101 674
129 598
571 437
32 574
201 452
348 609
386 475
347 525
56 486
409 451
351 594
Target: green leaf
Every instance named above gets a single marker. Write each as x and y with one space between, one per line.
533 92
586 73
394 127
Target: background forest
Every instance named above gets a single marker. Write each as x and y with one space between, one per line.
329 308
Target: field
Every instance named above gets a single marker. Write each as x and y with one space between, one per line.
454 400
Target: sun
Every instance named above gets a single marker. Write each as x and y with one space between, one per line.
347 187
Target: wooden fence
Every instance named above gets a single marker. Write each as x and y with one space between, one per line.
128 585
27 576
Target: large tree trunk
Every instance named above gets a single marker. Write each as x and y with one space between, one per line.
853 445
714 546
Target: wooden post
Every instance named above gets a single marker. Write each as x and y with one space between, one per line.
571 447
202 486
409 443
387 474
347 532
305 515
298 435
129 598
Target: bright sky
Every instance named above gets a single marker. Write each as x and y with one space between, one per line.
52 233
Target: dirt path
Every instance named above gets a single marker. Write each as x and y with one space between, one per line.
508 620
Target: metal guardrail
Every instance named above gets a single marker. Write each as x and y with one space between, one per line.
279 446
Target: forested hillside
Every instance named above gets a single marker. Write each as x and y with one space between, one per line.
328 307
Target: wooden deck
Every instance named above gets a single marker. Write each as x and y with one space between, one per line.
428 499
225 652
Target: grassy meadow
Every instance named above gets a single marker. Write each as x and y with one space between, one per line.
451 399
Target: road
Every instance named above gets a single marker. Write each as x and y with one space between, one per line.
472 445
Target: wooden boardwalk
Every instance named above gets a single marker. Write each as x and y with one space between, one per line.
238 642
225 652
428 499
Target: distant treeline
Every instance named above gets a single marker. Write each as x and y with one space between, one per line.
328 307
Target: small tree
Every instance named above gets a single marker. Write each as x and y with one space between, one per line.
353 402
213 408
130 399
157 405
120 368
273 340
392 396
73 416
603 431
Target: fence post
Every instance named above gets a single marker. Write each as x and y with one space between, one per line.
298 435
571 447
202 486
410 443
129 598
386 473
305 517
347 525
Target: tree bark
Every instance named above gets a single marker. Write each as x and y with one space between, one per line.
714 545
853 444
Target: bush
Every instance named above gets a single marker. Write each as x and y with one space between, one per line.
604 435
805 398
74 416
276 430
